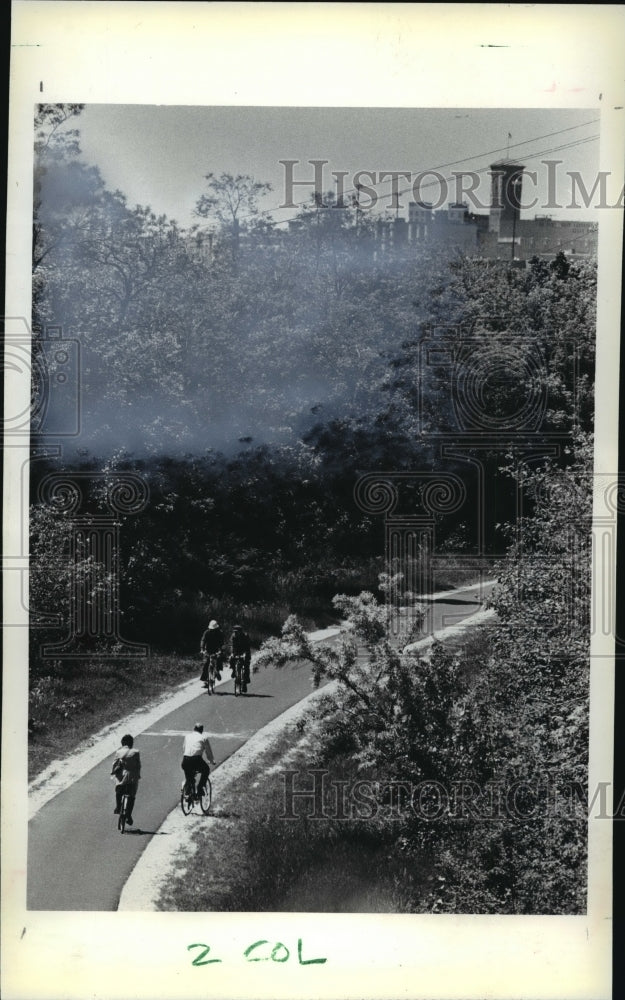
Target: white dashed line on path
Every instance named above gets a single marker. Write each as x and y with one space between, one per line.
216 735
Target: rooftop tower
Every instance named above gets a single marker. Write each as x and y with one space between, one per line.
505 203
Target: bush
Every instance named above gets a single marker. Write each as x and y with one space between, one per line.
442 718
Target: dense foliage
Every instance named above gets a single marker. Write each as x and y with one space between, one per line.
475 771
251 374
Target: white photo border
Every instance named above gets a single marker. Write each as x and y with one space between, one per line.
311 55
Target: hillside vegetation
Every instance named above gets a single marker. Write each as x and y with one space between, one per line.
251 377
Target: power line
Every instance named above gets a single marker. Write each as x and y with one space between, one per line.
485 170
524 142
451 163
451 179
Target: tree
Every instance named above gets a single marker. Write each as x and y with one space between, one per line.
391 710
232 199
61 187
543 604
49 131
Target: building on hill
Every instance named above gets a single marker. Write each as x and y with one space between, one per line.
502 234
505 198
499 234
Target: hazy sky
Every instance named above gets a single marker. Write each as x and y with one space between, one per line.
158 155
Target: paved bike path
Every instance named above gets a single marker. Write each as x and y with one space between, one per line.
77 860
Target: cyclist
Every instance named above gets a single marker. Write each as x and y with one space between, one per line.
241 646
212 642
127 771
197 747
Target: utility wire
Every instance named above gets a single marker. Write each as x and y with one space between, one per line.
451 163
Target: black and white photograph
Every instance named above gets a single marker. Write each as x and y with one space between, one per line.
312 504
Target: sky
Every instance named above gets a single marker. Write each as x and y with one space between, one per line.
159 155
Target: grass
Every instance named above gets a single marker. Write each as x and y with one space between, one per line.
251 859
71 702
253 855
449 572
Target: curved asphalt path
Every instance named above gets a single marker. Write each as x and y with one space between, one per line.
77 859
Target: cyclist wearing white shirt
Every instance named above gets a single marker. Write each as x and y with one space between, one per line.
197 747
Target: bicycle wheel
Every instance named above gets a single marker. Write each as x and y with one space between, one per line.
238 673
206 798
186 800
121 822
211 676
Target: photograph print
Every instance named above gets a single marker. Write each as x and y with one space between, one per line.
310 508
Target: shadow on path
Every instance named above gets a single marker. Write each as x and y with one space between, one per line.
144 833
449 600
249 694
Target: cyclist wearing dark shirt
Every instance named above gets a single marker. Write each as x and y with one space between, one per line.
241 646
127 771
212 642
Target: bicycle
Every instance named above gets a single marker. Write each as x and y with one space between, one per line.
123 812
190 796
239 666
211 673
